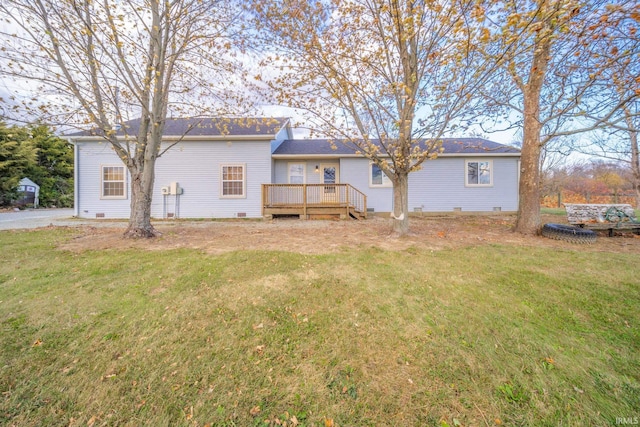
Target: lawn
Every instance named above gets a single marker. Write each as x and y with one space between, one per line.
480 335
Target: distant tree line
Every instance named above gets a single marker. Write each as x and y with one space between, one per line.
36 153
591 182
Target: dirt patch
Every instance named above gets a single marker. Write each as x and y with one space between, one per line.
316 237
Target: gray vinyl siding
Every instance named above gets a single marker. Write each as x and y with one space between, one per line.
91 156
283 134
440 186
281 170
355 171
196 167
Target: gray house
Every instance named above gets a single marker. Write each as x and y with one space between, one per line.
472 174
252 167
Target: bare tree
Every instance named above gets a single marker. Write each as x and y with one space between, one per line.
100 63
618 141
388 77
552 78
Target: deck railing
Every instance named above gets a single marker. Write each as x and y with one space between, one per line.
313 195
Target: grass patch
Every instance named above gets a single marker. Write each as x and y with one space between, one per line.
553 211
484 335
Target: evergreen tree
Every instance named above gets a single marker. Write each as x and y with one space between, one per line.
17 153
53 168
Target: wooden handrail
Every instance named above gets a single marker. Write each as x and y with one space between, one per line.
314 195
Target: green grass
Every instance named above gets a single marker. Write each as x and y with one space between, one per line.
553 211
484 335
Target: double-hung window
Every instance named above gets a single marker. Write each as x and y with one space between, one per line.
479 173
114 182
296 173
233 180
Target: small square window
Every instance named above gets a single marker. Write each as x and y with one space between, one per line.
479 173
377 178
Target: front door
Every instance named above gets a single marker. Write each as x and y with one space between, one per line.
329 174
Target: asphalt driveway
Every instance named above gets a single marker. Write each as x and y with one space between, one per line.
34 218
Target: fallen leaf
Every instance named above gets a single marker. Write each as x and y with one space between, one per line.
37 343
254 411
91 421
328 422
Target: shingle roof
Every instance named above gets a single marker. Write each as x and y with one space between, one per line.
204 126
293 147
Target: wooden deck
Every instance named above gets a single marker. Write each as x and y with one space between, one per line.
313 200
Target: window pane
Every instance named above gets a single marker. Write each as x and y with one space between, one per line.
329 175
376 175
232 173
232 188
113 173
113 188
472 172
485 173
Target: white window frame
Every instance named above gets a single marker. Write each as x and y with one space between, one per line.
244 181
386 182
103 181
304 172
478 184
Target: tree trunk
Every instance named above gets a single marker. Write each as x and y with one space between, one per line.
528 220
635 159
142 180
400 216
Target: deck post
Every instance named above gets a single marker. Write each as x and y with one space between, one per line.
304 200
262 197
346 190
365 205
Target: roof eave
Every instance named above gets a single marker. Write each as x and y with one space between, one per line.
337 155
174 138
